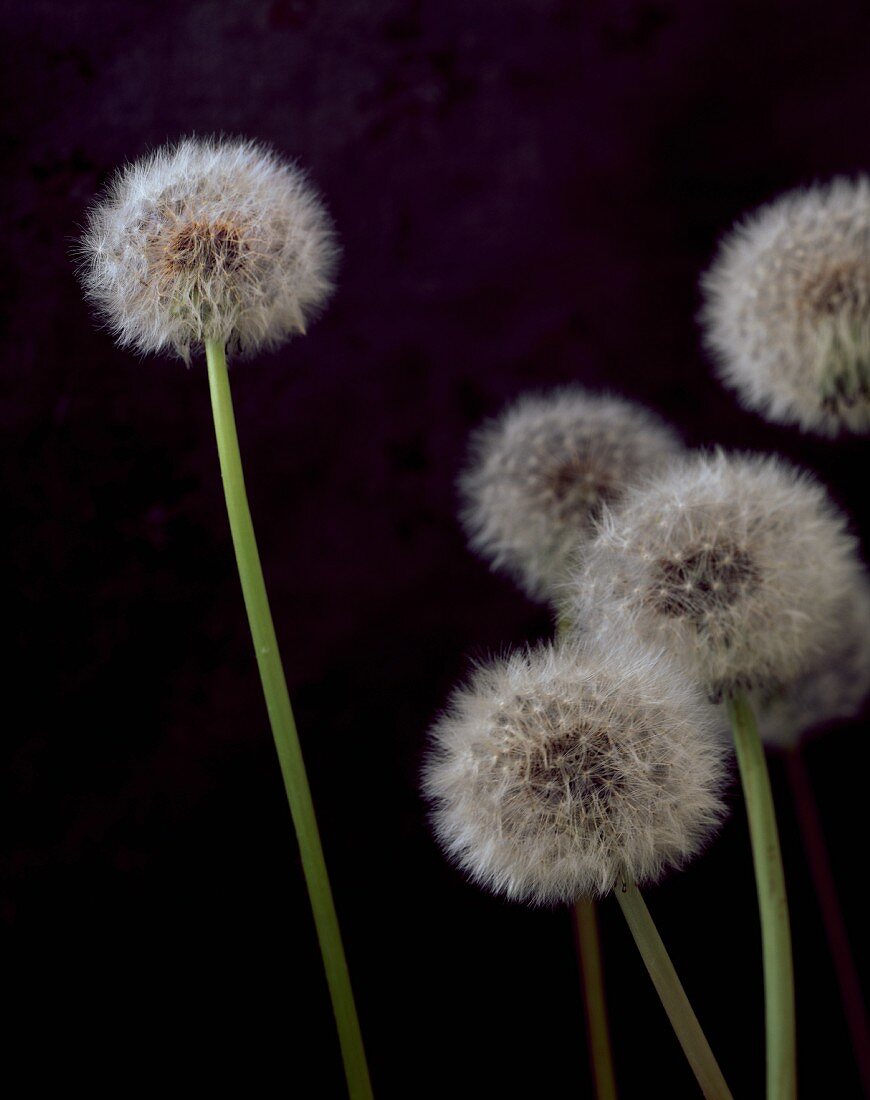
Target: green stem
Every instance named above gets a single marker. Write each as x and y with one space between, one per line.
673 996
772 902
589 948
588 944
284 726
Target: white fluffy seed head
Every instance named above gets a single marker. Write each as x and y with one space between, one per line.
835 686
540 473
556 770
787 313
737 565
209 239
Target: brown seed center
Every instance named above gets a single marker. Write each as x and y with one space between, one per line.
567 775
703 581
205 245
835 293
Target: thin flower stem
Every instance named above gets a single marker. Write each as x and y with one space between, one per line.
598 1033
672 995
772 902
284 726
588 945
835 926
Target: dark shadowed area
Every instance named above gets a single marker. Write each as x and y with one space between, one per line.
526 193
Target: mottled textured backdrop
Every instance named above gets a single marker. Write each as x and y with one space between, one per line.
526 193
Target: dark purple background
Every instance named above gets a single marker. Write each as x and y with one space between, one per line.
526 192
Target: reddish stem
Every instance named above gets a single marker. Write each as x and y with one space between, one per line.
832 915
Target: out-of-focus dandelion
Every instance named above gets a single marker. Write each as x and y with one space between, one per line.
214 244
787 313
570 771
540 473
833 688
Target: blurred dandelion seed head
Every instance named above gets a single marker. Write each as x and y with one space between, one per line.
559 768
833 688
209 239
539 474
787 313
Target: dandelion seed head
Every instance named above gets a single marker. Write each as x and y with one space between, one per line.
209 239
539 474
832 689
559 768
787 312
737 565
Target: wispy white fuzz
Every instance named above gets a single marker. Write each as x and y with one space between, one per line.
834 687
787 312
737 565
540 473
209 239
558 769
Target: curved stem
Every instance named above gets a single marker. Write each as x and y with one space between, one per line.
772 902
598 1033
284 726
832 915
672 995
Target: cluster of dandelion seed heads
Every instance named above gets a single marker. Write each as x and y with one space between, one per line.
737 565
833 688
557 770
208 240
787 313
540 473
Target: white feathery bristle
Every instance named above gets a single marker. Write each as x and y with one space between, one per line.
736 565
209 239
559 769
540 473
787 313
835 686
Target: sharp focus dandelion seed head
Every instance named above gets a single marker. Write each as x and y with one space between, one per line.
540 473
737 565
209 239
787 314
833 688
558 768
